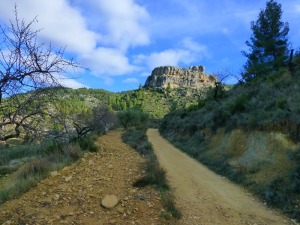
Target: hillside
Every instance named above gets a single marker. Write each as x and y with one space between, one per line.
204 197
250 133
155 102
65 112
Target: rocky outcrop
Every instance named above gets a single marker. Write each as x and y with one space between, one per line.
174 77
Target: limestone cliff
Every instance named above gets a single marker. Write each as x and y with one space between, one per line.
193 77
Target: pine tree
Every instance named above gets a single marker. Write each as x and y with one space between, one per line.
268 44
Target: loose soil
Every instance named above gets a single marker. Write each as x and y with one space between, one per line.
205 198
73 194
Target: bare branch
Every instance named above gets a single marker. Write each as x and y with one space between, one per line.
26 66
222 78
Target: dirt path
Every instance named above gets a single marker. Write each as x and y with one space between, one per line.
73 194
206 198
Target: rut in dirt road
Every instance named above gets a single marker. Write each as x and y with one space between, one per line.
205 198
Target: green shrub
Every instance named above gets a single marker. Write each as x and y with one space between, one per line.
14 141
295 173
87 143
220 117
281 103
36 167
132 118
137 139
296 64
192 108
155 174
33 162
280 193
53 147
6 170
183 115
17 152
239 104
17 188
73 151
168 202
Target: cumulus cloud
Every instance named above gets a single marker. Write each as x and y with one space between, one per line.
188 51
166 57
107 61
59 22
71 83
101 44
125 22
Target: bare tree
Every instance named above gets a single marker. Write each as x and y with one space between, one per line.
26 66
99 119
222 77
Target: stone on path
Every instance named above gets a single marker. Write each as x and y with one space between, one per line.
68 178
54 173
109 201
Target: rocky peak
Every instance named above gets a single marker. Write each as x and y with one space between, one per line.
175 77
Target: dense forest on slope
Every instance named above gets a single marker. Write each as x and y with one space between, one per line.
155 102
65 105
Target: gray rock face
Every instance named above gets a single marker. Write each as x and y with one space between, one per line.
193 77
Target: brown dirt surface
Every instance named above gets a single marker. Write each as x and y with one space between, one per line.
73 195
205 198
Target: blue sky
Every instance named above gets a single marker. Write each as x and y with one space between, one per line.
122 41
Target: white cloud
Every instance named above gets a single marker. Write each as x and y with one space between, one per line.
106 61
101 44
167 57
190 44
123 24
188 52
72 83
131 80
68 82
60 23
